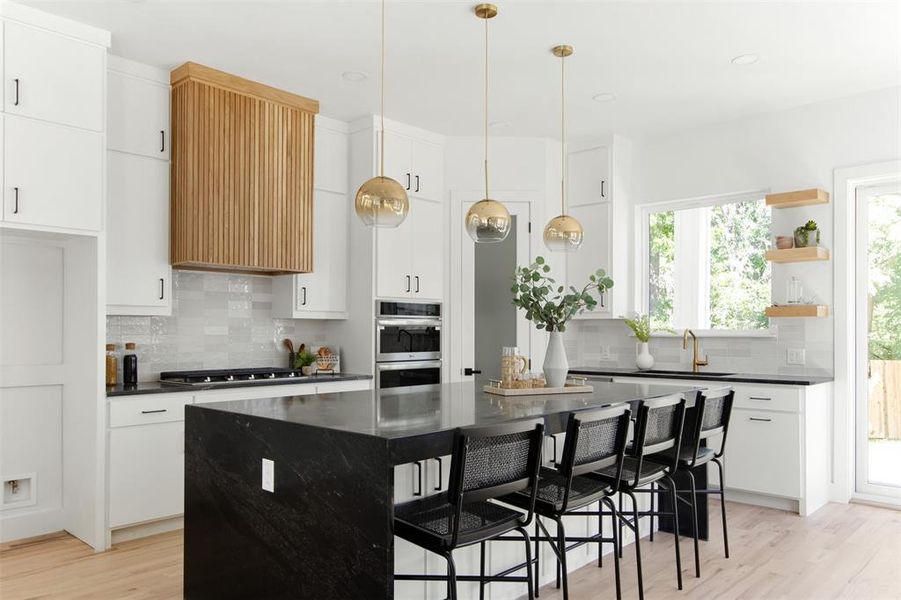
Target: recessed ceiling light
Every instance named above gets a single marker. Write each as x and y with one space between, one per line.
354 76
745 59
499 124
605 97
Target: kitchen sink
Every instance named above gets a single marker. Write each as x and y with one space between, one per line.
701 375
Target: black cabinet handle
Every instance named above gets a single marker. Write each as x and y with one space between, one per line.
16 101
408 283
602 189
16 201
759 419
469 371
418 466
417 184
162 140
162 288
440 474
763 398
603 296
554 440
417 283
151 412
303 301
408 181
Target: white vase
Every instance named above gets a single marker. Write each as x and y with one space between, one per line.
555 365
644 360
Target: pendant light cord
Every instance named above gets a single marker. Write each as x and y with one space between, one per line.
382 98
486 108
562 136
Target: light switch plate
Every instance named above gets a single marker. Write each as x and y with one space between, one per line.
268 475
796 356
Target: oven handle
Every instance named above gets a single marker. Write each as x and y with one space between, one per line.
399 366
408 322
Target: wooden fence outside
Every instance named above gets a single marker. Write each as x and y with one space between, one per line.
885 399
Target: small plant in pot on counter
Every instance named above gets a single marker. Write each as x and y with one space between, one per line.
550 306
807 235
304 360
641 327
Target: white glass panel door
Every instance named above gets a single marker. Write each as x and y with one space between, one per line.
878 347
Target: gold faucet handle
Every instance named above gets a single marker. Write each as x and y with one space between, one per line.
704 362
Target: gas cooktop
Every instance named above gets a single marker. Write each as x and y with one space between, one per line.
225 376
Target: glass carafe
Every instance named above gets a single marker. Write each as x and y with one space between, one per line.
512 364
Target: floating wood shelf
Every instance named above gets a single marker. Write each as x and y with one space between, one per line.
797 254
798 198
798 310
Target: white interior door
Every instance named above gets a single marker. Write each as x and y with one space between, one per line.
466 324
878 339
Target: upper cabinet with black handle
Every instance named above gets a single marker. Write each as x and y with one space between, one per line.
137 110
417 165
53 73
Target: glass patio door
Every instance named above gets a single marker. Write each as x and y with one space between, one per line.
878 348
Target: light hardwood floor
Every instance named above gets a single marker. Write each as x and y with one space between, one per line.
842 551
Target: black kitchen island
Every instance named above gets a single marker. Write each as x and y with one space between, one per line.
326 529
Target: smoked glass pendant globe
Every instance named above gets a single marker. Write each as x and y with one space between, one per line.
488 221
381 202
563 233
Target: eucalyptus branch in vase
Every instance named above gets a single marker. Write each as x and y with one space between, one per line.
551 306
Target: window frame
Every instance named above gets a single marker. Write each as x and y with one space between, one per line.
642 256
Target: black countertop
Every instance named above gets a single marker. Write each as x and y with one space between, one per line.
399 415
766 378
155 387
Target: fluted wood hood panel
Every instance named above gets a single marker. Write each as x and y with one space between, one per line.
242 174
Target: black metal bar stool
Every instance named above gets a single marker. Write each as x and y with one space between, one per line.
594 440
487 462
658 427
713 410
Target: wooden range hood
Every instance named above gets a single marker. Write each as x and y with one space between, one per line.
242 174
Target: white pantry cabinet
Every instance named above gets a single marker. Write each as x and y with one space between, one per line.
416 164
597 180
52 77
52 174
322 293
410 258
139 276
137 109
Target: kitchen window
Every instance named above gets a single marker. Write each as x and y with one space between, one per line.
703 263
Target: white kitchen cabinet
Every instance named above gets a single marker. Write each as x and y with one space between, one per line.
598 182
146 458
52 175
418 165
410 258
330 163
139 278
52 77
763 452
321 294
137 112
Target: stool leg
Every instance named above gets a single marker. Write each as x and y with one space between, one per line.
723 502
537 559
694 520
637 545
620 525
653 503
619 594
451 577
525 537
675 501
561 543
482 571
601 534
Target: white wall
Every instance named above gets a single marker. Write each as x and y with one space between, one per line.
781 151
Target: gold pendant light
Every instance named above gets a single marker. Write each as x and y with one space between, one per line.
488 220
563 233
382 201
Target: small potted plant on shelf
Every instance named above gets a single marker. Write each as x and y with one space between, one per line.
551 306
641 327
304 361
807 235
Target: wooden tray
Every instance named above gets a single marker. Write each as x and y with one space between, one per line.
569 389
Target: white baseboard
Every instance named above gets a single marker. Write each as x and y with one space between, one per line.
134 532
764 500
31 524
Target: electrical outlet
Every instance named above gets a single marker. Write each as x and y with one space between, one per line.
268 475
796 356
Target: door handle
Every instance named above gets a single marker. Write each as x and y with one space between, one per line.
418 466
408 283
417 184
602 189
417 283
408 181
16 101
162 140
162 288
470 371
16 201
440 473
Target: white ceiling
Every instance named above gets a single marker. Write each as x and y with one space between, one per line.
667 63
